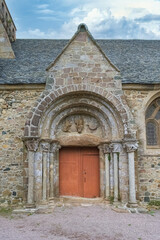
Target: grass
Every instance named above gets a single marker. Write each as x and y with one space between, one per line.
5 212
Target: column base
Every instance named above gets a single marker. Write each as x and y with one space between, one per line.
132 204
116 203
30 205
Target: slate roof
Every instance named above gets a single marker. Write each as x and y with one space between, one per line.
137 60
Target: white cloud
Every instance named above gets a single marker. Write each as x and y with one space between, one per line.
38 34
44 9
104 18
43 6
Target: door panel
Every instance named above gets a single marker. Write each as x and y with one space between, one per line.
79 172
69 174
91 175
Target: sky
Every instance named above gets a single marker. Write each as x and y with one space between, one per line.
106 19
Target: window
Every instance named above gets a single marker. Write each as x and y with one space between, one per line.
153 123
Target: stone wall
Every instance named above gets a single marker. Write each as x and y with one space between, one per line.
148 159
5 45
14 108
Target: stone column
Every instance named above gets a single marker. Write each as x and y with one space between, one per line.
107 154
53 156
45 146
131 147
56 171
116 149
32 146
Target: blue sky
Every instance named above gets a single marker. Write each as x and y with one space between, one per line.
113 19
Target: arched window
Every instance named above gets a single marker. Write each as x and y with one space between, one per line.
153 123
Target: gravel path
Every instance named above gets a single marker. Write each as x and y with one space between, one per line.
96 222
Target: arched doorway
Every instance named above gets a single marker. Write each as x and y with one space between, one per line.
78 119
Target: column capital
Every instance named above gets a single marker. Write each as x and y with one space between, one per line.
45 145
116 147
31 144
131 146
105 148
55 146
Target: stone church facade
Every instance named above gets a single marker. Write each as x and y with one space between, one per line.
76 123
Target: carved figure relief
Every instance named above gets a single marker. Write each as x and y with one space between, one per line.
93 125
67 125
79 122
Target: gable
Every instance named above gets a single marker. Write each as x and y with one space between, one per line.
81 61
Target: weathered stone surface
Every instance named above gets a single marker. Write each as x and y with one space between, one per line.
6 50
13 167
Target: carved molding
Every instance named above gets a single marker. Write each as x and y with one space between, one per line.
31 144
115 147
131 146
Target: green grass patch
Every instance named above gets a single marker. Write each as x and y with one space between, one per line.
154 203
5 212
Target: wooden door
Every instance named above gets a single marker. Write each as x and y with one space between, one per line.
79 172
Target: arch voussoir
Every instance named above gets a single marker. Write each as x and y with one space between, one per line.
47 99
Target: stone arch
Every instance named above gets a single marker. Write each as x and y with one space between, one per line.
48 99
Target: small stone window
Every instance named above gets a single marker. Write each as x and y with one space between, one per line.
153 124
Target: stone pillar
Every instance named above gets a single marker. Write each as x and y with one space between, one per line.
45 146
53 168
56 170
32 146
107 154
116 149
131 147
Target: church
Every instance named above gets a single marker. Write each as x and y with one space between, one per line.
79 118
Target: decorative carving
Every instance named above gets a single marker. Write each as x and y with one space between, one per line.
45 146
32 144
131 146
115 147
92 126
79 122
55 147
67 125
106 148
125 125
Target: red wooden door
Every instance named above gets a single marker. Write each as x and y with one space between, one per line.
79 172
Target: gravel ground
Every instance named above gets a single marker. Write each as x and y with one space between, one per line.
96 222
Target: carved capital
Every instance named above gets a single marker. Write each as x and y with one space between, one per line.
115 147
131 146
55 146
106 148
45 145
32 144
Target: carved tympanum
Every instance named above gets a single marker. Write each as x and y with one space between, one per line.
79 124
